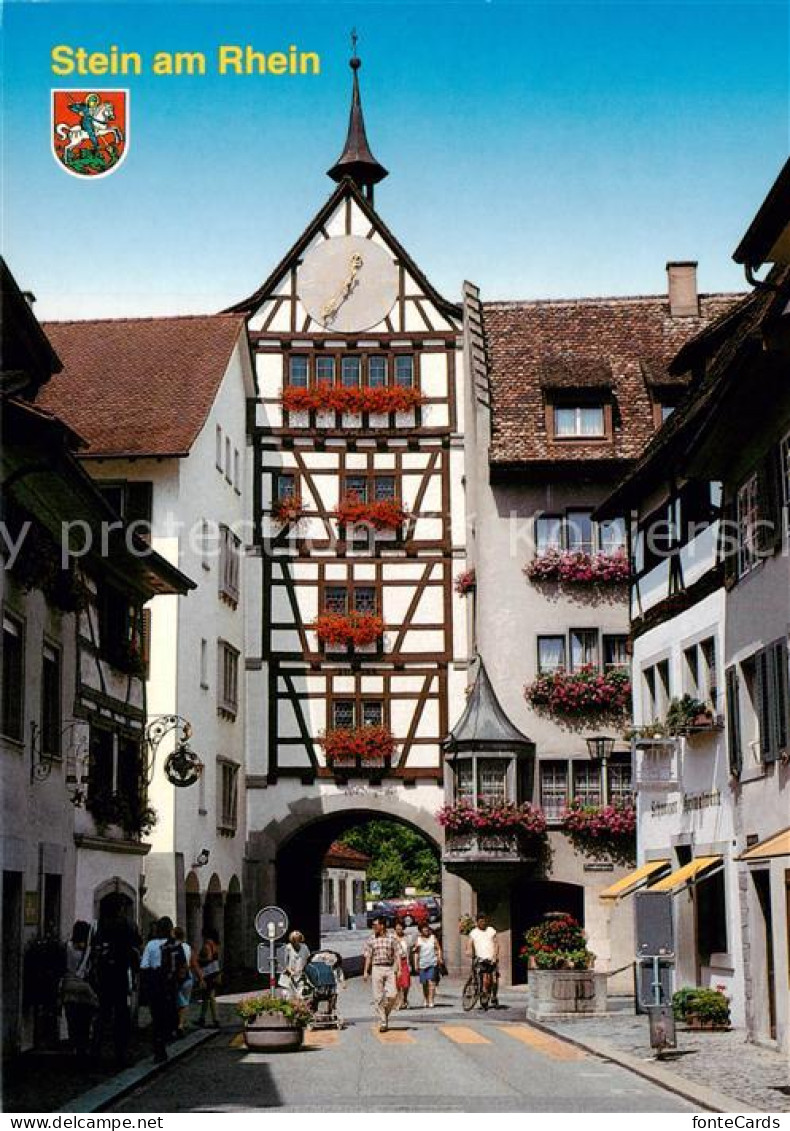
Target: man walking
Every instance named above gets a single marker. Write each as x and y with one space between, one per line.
381 958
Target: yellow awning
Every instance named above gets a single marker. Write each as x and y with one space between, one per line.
776 845
633 880
683 876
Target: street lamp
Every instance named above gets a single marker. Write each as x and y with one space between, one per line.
182 765
600 750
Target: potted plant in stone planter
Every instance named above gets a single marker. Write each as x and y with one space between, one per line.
273 1024
706 1009
562 981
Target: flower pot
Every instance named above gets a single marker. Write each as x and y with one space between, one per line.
272 1032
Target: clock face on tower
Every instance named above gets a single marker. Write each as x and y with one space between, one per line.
348 283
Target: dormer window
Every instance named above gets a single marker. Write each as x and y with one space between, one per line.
579 422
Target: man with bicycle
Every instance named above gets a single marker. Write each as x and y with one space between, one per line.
483 949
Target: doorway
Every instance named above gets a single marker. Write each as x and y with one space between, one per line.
531 901
12 959
762 886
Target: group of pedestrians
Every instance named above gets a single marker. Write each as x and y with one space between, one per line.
392 958
102 968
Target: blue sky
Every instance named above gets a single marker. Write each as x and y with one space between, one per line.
541 150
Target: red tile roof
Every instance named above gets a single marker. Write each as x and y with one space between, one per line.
536 347
139 386
343 856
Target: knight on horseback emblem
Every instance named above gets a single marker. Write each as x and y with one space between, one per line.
90 130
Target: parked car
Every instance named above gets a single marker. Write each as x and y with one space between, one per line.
421 908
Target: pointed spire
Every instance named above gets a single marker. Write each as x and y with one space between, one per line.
356 161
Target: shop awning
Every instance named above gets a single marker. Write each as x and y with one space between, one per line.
676 881
776 845
633 880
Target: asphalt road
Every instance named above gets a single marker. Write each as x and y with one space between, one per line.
431 1060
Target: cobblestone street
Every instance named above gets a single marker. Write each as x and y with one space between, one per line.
726 1062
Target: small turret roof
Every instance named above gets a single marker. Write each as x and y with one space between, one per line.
484 724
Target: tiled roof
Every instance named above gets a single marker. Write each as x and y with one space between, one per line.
340 855
139 386
615 342
679 433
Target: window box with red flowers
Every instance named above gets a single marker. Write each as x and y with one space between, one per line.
352 400
466 583
360 748
381 514
287 510
502 832
352 630
577 567
602 831
581 693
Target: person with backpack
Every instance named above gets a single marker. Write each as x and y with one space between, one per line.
114 962
186 983
78 996
165 966
211 975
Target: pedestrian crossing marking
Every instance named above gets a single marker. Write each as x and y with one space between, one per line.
463 1035
320 1038
543 1043
395 1037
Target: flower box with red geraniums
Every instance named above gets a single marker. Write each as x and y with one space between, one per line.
602 830
583 692
355 629
337 398
504 817
363 746
576 567
382 514
465 583
287 509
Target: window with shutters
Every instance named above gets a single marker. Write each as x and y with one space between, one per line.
50 702
229 565
747 518
227 796
734 748
771 696
13 689
228 680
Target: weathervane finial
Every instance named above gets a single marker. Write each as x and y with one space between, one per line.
354 40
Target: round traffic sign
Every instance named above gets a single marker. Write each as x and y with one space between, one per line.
271 923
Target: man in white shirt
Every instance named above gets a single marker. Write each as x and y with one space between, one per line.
483 948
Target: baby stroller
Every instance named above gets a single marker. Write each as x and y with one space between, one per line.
323 977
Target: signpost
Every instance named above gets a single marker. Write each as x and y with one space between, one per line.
656 948
271 923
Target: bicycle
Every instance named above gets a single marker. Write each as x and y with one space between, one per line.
479 988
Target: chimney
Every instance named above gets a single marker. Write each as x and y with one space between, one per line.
682 281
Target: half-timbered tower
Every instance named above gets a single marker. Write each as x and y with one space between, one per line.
351 683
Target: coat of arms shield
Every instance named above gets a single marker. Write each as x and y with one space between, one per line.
90 130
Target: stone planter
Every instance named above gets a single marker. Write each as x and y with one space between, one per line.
565 993
700 1025
272 1032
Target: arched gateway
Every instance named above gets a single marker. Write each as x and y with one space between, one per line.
357 652
289 853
